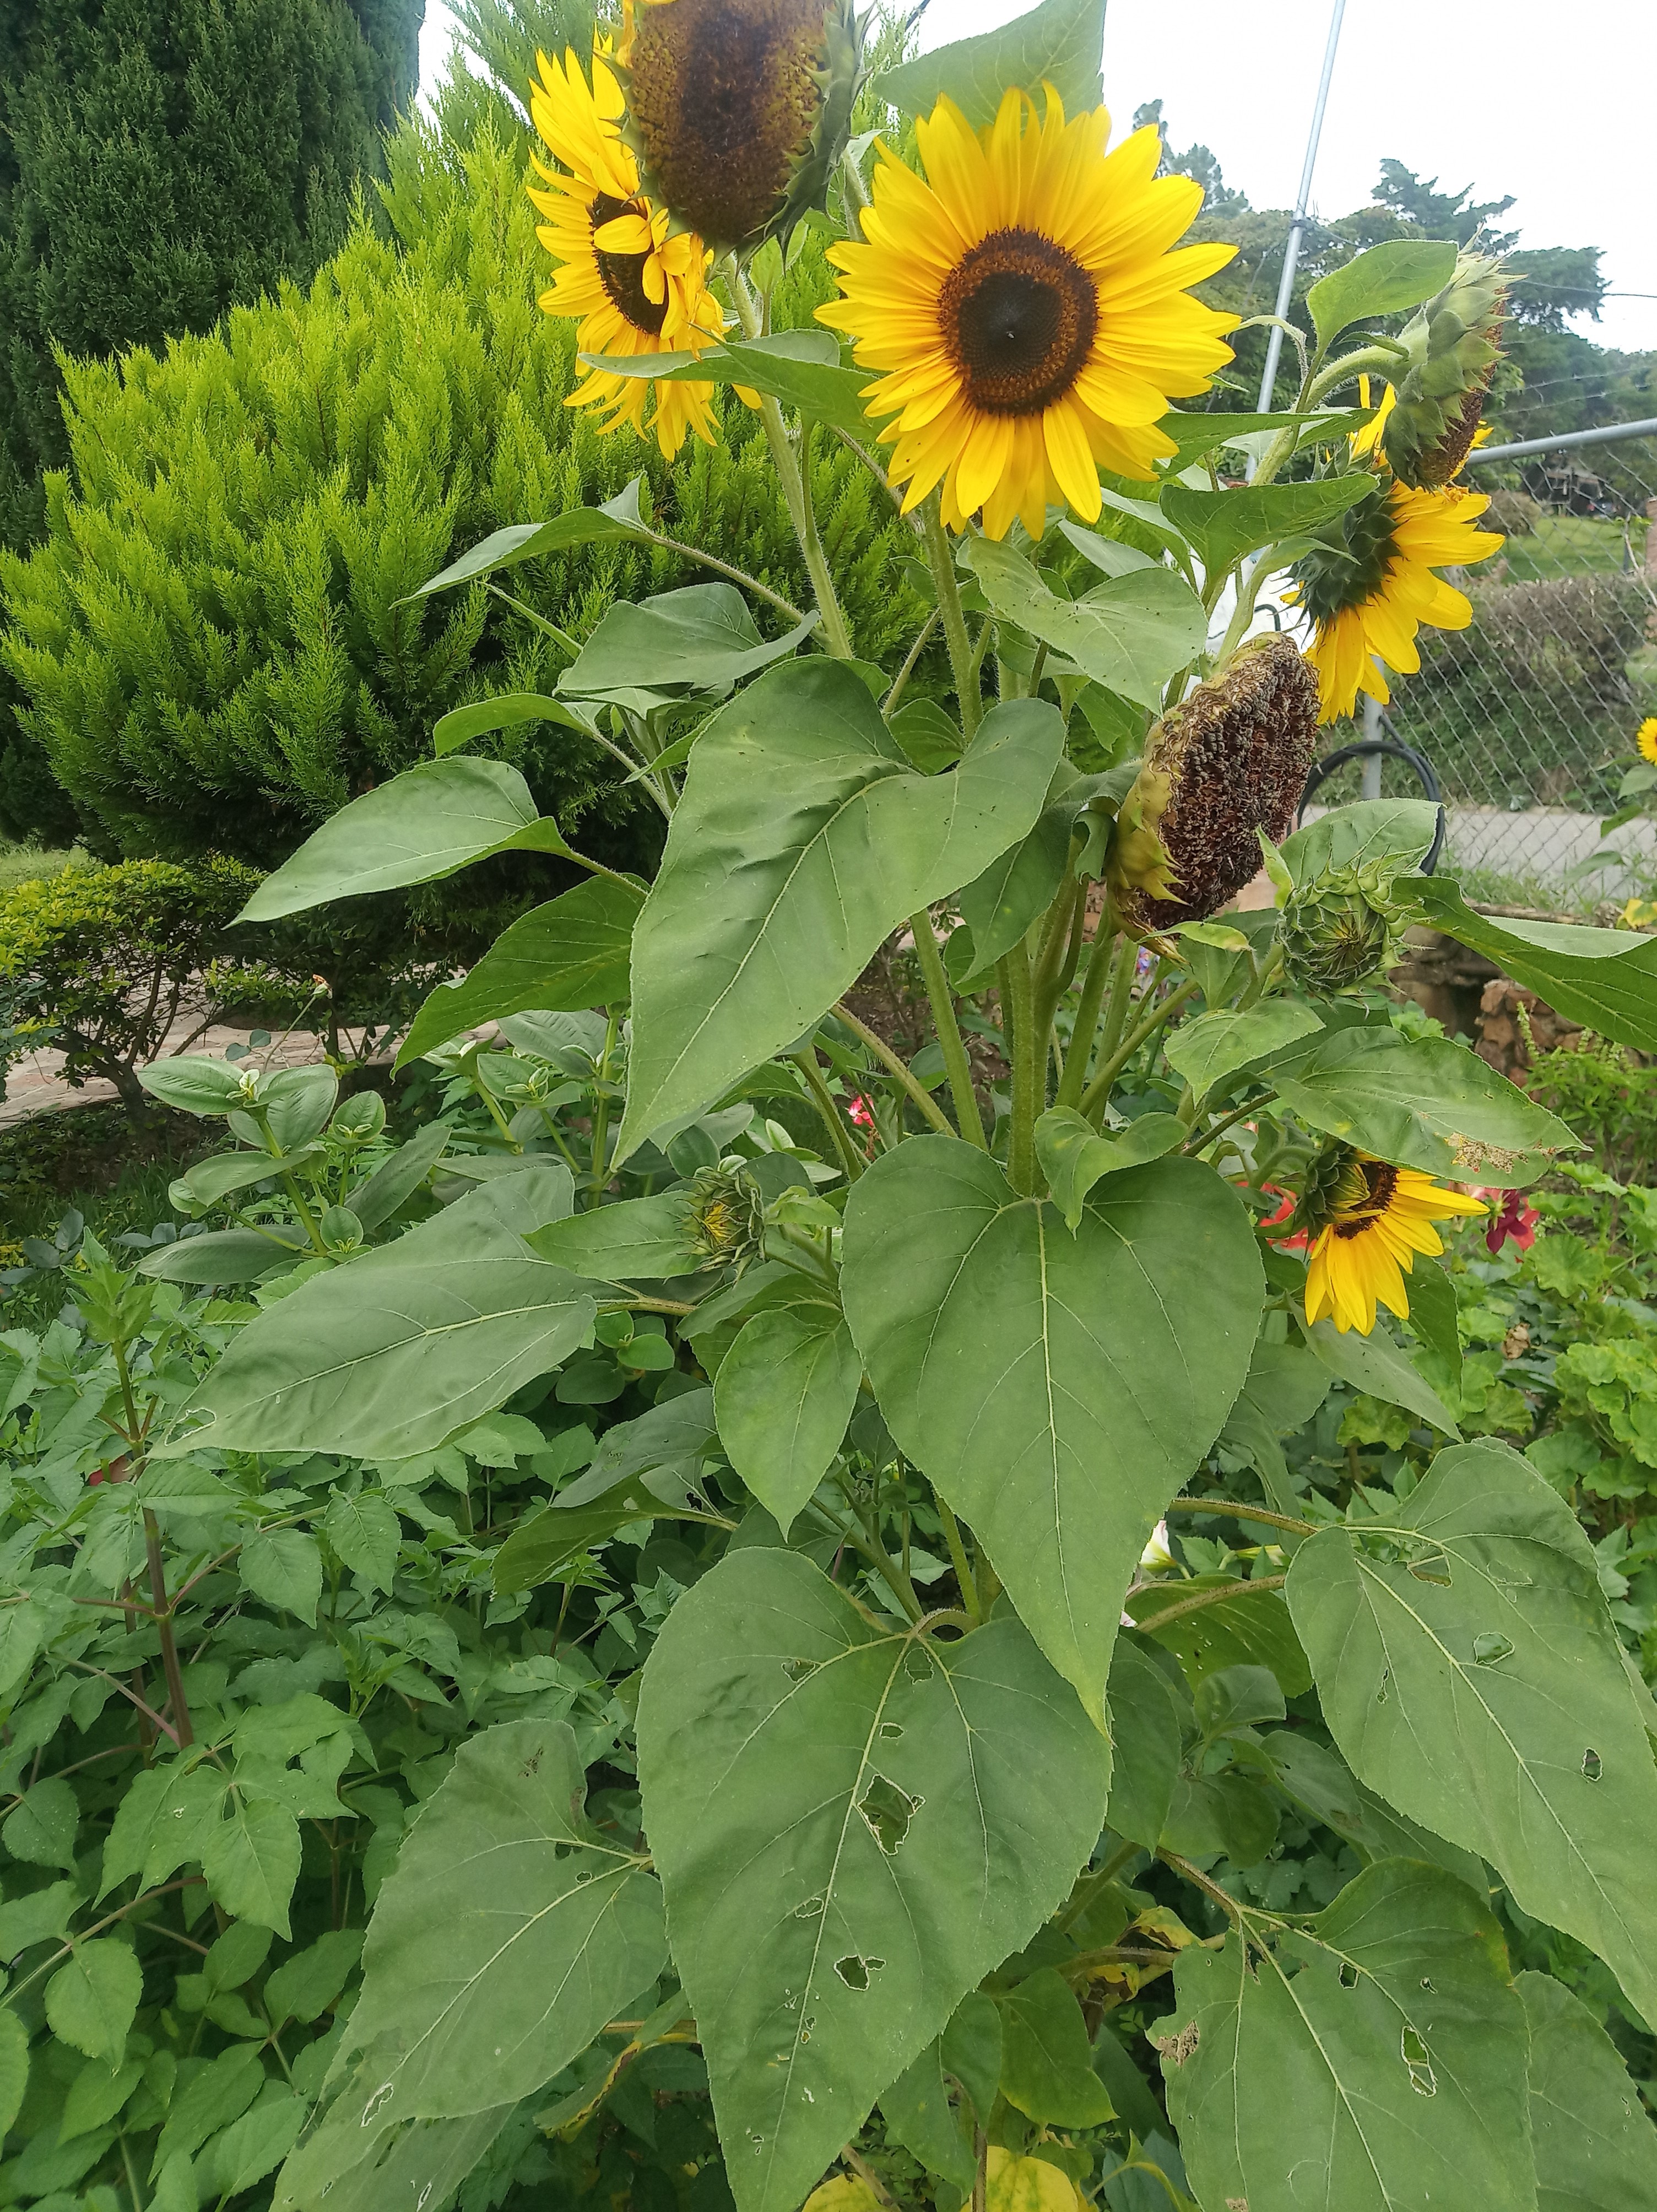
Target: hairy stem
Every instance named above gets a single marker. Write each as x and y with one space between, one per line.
962 660
957 1067
1101 963
952 1536
1029 1066
1227 1508
851 1161
889 704
1100 1089
1155 1620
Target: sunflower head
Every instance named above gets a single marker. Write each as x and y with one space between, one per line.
1367 1220
739 109
1645 738
1335 932
1453 345
727 1217
1230 761
1025 316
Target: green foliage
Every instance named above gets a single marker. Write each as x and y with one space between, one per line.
142 192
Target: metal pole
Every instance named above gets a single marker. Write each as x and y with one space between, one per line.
1610 434
1370 787
1297 229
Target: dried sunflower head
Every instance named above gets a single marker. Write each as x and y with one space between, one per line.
1229 761
737 110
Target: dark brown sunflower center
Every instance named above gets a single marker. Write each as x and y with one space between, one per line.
725 94
1018 315
622 275
1380 1181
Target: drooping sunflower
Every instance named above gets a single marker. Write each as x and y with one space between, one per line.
1369 1219
1369 593
633 288
1646 739
1028 318
739 109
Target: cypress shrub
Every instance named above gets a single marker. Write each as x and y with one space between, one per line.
211 639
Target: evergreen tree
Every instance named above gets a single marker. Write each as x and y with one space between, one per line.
162 159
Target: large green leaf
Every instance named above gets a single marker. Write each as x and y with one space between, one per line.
1469 1670
507 1935
538 1548
1224 525
1357 836
853 1825
804 838
1378 1366
619 521
782 1396
390 1355
1425 1102
427 822
1199 434
561 958
638 1237
1215 1046
1606 978
1057 44
1595 2149
1145 1732
345 2167
1374 2060
800 368
1056 1388
1402 273
1074 1157
507 710
1129 634
1253 1629
701 638
999 906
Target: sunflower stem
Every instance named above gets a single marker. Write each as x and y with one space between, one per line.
957 1067
1094 1097
962 660
1110 961
917 1090
1029 1055
793 479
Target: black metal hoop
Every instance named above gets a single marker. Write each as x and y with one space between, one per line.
1393 748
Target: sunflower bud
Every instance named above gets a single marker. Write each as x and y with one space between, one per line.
1229 761
1453 345
727 1217
739 110
1335 932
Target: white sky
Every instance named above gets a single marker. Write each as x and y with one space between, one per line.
1557 106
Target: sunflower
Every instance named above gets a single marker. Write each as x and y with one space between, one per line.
631 288
1022 305
1646 739
1375 1218
1370 592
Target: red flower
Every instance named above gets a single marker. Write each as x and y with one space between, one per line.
1516 1222
1284 1213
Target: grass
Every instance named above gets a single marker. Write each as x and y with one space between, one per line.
1568 545
29 864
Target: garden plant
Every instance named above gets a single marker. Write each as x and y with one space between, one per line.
871 1678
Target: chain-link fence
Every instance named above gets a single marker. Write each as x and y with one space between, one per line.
1528 716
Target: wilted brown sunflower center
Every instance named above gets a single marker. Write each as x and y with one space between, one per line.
724 95
622 275
1379 1181
1018 315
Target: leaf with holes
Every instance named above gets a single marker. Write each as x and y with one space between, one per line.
1374 2059
1056 1388
782 1396
1469 1671
1595 2149
853 1825
506 1936
802 840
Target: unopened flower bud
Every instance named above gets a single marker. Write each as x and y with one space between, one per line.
1336 930
1454 346
727 1217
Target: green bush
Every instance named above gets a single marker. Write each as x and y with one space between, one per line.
211 640
108 959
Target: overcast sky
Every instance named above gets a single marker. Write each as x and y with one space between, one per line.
1557 105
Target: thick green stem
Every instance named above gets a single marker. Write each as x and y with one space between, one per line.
1095 1886
952 1536
1228 1509
900 684
962 660
1029 1064
1153 1621
796 492
957 1067
601 1107
1100 1089
882 1051
1100 965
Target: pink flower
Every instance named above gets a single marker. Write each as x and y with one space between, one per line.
1516 1222
859 1113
